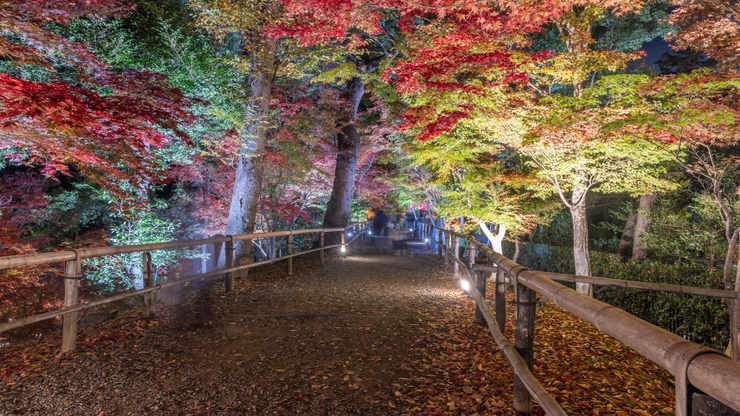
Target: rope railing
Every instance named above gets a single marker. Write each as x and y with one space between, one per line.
73 271
694 367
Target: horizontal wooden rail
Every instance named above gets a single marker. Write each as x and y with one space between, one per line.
518 364
692 364
631 284
73 271
10 262
59 312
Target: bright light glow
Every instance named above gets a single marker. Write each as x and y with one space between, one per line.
343 249
426 240
411 229
370 232
465 285
349 234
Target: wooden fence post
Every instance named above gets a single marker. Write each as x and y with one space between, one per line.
72 276
148 272
500 299
446 247
471 260
229 263
526 311
217 248
289 250
440 241
480 285
456 253
321 244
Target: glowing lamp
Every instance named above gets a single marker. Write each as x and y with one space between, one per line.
465 285
343 249
370 232
349 234
426 240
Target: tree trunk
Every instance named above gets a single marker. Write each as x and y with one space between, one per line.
639 252
248 182
348 146
497 240
580 238
625 243
732 249
735 321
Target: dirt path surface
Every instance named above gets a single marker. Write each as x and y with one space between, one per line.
367 334
329 340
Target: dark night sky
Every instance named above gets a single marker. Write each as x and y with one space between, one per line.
655 48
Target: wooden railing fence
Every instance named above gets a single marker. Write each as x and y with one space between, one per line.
696 368
73 260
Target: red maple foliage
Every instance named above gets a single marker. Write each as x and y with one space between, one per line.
710 26
104 122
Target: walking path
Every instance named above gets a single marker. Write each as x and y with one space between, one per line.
366 334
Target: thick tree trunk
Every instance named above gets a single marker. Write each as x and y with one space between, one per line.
639 252
580 238
348 146
625 243
248 182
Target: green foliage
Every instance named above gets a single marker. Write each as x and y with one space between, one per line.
125 270
700 319
71 211
686 228
341 73
628 32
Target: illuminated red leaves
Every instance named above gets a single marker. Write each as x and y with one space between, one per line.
105 123
435 68
58 124
443 123
318 22
710 26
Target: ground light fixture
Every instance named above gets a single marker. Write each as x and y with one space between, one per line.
465 285
344 250
349 234
426 240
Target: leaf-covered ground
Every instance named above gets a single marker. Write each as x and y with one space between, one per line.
369 334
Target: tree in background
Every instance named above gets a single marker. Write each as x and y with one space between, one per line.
709 26
240 24
565 140
693 117
356 28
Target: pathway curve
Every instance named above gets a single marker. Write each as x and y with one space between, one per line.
367 334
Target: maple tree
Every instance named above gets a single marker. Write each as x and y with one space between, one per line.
256 54
63 107
693 118
709 26
357 28
507 73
